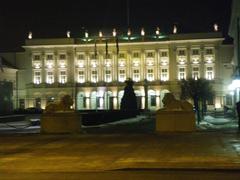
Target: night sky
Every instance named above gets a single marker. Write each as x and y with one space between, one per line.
53 18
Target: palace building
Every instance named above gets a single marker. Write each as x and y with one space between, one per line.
93 70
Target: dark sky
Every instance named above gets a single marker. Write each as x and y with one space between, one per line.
52 18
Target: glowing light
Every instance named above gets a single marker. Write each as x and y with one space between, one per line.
215 27
100 34
142 32
235 84
30 35
158 31
174 29
114 33
129 32
68 34
86 34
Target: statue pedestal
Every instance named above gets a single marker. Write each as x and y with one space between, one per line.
175 121
60 122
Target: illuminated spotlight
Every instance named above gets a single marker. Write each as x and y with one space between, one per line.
30 35
157 31
215 27
129 32
114 33
68 34
174 29
86 34
100 34
142 32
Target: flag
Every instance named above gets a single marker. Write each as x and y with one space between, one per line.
106 48
95 49
117 46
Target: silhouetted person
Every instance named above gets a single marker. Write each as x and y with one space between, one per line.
238 112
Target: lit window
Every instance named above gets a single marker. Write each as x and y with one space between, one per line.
209 51
150 54
195 52
49 57
81 56
63 76
195 73
136 75
108 77
164 54
181 53
94 76
50 77
37 77
62 63
164 74
36 57
150 76
62 56
209 73
122 75
181 73
136 55
81 76
121 55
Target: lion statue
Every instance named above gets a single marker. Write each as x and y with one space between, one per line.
171 104
64 105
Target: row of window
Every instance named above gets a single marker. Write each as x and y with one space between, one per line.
150 54
108 75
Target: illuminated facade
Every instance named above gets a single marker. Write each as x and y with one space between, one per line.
95 76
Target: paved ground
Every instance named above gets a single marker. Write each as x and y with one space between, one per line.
104 151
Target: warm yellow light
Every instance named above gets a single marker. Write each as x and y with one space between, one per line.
100 34
174 29
86 34
215 27
68 34
114 32
30 35
129 32
158 31
142 32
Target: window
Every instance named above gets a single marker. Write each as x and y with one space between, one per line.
150 54
37 77
164 54
108 77
150 76
195 52
93 56
81 77
122 75
107 56
181 53
49 57
136 55
164 74
209 73
181 73
50 77
136 75
21 103
121 55
153 100
36 57
195 73
38 103
94 76
81 56
63 76
62 63
209 51
210 101
62 56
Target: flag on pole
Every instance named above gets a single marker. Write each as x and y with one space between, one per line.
95 49
106 47
117 46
